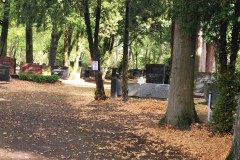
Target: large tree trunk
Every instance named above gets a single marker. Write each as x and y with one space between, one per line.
93 46
125 53
4 33
55 36
181 112
234 153
29 43
235 39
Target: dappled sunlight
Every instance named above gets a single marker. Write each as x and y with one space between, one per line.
8 153
65 122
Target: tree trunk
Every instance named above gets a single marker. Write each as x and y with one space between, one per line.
181 112
146 55
4 33
172 41
210 60
136 60
125 53
29 43
71 41
234 153
55 36
235 39
93 46
66 45
223 48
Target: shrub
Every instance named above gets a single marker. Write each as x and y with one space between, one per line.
39 78
225 106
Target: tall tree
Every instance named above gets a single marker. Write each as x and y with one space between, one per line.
55 36
29 42
93 41
125 52
181 111
4 32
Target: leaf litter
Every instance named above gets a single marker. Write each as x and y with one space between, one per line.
43 121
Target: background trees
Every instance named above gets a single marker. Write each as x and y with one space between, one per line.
5 25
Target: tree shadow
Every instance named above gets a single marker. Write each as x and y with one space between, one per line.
46 126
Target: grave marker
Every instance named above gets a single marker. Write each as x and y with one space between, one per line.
60 71
4 73
31 68
10 62
155 73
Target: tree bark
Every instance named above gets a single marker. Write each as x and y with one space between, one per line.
29 43
4 33
234 153
55 36
66 45
93 46
172 42
235 39
180 111
125 53
222 48
210 60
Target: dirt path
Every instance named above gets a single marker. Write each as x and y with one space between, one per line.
64 122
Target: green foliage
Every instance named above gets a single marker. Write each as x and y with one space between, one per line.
225 106
188 14
38 78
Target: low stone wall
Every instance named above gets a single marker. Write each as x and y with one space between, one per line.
148 90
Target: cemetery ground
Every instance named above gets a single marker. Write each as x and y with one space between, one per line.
52 122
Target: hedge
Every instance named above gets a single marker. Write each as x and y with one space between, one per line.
38 78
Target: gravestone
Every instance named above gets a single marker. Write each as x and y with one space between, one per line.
134 89
4 73
60 71
201 79
155 73
148 90
86 72
31 68
10 62
135 73
154 90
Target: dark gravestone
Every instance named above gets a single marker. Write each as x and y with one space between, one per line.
86 72
155 73
10 62
60 71
4 73
72 64
135 73
115 84
31 68
79 63
114 72
113 87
